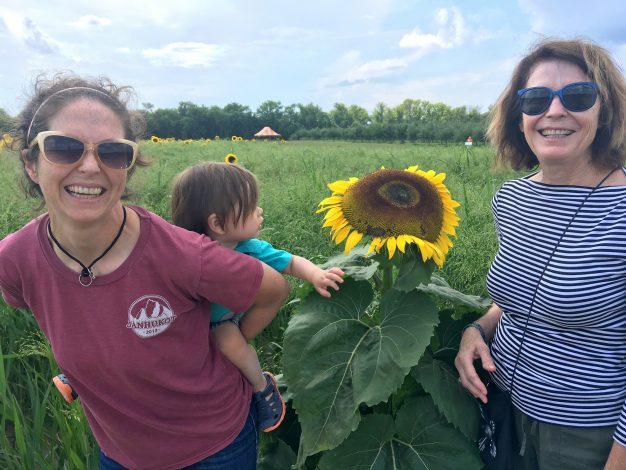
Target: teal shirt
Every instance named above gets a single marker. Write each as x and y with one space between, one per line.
263 251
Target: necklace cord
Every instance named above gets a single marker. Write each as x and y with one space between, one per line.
86 271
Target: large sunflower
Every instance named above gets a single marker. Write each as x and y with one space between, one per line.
395 208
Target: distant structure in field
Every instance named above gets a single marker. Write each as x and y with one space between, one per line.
267 133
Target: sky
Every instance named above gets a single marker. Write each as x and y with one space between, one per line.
216 52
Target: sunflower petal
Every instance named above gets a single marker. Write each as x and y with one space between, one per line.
401 242
331 200
372 246
351 242
341 234
391 246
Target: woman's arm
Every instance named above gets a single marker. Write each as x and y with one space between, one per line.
473 347
321 279
272 293
617 458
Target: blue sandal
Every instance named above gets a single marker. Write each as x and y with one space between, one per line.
270 405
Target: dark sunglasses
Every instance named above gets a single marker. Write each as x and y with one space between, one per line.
576 97
60 149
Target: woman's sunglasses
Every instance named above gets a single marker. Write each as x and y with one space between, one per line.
575 97
60 149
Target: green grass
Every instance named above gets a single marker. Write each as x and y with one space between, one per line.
37 428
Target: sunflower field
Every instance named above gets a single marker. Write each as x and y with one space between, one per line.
367 374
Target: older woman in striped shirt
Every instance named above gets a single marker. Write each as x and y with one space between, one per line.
555 335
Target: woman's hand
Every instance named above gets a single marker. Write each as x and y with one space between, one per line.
473 347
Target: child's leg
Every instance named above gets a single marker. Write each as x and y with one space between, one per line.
270 405
233 345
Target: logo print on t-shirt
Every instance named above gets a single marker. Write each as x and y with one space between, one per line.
150 315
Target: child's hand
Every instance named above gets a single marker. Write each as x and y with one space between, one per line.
325 278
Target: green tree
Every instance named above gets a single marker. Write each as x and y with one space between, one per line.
163 123
239 120
359 115
340 115
378 114
270 113
312 116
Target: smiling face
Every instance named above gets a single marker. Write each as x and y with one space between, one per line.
560 136
86 191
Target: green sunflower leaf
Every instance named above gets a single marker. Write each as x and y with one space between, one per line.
368 447
334 358
452 400
413 272
355 264
418 440
438 286
276 456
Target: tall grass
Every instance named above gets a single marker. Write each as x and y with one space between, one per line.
38 430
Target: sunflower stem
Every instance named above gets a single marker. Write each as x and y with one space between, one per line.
387 278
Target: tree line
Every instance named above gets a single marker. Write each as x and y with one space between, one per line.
412 120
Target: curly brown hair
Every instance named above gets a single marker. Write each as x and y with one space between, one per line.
609 145
51 94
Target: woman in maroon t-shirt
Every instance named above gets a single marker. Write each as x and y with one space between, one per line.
125 299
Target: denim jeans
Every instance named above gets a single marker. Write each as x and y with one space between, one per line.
241 454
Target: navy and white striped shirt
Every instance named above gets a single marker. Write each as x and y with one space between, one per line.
572 367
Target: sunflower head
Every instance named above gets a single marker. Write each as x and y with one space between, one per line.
231 158
393 208
155 139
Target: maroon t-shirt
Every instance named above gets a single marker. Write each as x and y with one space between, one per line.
135 344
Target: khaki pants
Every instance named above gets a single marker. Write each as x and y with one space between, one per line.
546 446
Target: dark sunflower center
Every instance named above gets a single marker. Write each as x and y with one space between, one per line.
390 203
399 193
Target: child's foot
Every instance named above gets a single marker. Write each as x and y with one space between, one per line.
63 385
270 405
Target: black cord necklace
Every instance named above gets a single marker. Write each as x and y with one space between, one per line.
86 271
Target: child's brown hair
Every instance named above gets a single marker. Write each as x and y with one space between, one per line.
226 190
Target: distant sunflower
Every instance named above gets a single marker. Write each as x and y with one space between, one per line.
394 208
155 139
231 158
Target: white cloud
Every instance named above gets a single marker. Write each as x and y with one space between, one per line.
450 31
375 69
87 22
186 54
350 69
24 30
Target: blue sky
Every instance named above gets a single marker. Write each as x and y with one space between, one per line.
351 51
